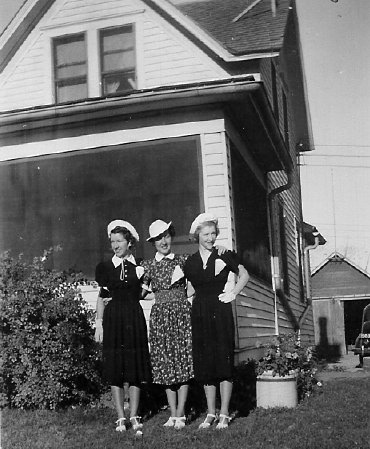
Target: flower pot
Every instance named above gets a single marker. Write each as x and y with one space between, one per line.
277 391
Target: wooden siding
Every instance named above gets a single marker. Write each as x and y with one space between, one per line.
339 278
164 56
292 205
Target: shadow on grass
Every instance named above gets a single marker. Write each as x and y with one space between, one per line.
243 399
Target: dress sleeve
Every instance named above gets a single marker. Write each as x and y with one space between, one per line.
101 278
232 260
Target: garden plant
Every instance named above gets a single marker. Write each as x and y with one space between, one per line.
48 356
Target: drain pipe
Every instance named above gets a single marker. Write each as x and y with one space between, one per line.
275 269
307 277
307 265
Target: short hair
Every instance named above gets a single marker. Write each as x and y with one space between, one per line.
126 234
195 236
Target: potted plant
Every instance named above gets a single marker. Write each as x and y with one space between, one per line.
285 373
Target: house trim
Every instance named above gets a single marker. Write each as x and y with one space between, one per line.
92 141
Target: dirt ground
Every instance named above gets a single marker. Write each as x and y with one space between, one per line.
345 368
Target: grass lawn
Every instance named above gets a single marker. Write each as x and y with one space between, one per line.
337 418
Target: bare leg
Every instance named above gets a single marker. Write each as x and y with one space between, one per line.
117 395
210 391
182 396
134 393
226 388
171 398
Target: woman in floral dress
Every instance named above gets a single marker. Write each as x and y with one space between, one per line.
170 321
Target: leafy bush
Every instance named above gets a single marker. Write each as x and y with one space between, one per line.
284 355
48 355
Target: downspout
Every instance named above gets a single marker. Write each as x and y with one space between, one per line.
307 277
275 270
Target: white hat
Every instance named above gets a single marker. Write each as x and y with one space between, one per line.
202 218
157 228
124 224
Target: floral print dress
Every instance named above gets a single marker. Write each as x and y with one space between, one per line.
170 320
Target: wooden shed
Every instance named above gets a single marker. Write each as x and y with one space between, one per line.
340 292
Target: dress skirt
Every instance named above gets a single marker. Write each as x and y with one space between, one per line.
170 338
212 320
125 341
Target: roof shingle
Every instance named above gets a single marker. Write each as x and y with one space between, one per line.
257 31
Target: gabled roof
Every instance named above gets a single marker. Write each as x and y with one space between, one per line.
209 23
256 31
337 276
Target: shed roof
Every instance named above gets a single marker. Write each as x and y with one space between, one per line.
338 277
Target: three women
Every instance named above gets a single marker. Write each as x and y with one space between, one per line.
177 335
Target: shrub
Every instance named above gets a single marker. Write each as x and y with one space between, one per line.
48 355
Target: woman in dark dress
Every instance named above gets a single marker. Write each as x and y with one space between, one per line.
212 318
121 323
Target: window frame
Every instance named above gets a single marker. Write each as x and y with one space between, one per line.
58 82
102 73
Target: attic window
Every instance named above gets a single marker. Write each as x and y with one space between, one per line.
70 68
117 50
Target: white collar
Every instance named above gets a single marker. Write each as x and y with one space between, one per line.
158 256
118 260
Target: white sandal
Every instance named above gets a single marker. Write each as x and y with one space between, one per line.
224 421
170 422
180 422
135 422
121 427
206 424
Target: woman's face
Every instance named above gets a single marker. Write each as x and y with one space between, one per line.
119 244
207 237
163 245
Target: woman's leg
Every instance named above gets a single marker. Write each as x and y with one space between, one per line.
134 393
118 397
182 394
171 398
226 388
210 392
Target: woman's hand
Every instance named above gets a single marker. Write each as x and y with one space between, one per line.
106 300
226 297
220 249
99 330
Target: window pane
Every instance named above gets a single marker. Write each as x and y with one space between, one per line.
70 68
118 61
70 51
119 83
120 40
72 92
69 200
71 71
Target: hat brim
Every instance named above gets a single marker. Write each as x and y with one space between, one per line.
153 237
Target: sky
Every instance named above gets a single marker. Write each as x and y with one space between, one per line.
335 176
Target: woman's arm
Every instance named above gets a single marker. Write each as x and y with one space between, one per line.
243 278
99 319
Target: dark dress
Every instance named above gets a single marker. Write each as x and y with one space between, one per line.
170 322
125 341
212 321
